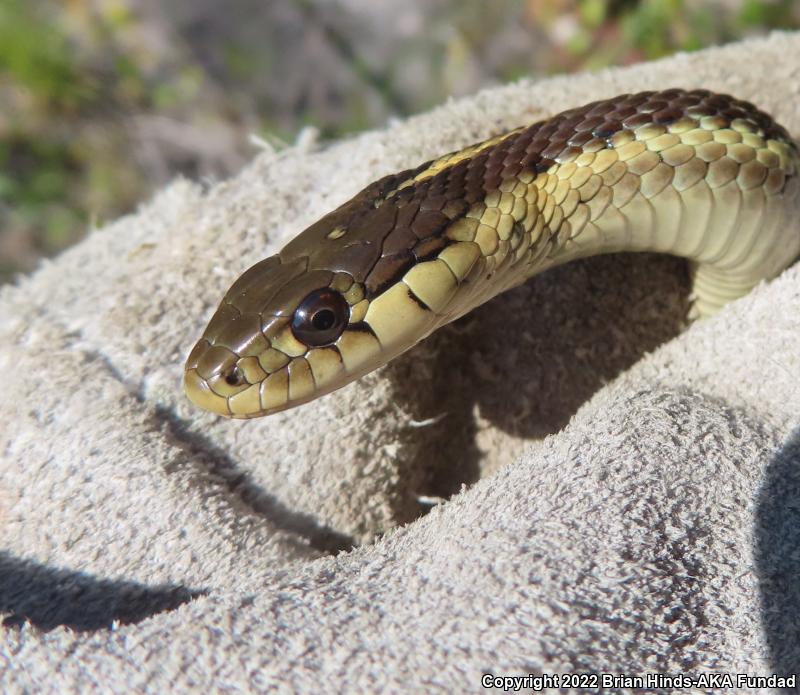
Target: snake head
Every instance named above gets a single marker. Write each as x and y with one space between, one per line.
282 336
354 290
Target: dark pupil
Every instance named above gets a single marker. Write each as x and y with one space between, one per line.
233 376
320 318
323 319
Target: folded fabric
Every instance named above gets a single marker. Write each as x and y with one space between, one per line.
622 495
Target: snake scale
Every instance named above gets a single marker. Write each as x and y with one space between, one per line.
691 173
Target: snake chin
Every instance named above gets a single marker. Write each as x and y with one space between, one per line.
199 392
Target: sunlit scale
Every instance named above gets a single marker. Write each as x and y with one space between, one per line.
285 371
693 174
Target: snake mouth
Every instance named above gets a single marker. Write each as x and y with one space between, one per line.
251 400
200 393
221 381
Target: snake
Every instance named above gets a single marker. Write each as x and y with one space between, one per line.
692 173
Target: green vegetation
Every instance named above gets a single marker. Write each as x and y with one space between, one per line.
100 103
613 32
68 91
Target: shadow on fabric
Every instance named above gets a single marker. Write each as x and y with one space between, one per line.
48 597
204 452
527 360
777 555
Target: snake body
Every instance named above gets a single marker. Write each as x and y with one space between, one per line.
690 173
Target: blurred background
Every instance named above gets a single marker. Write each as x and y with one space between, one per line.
104 101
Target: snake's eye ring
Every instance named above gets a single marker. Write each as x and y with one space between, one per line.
321 318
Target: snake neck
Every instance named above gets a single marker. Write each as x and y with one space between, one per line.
724 198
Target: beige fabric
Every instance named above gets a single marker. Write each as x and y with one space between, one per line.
148 546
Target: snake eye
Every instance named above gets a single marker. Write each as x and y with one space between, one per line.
320 318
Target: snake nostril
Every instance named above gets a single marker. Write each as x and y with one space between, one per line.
233 377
